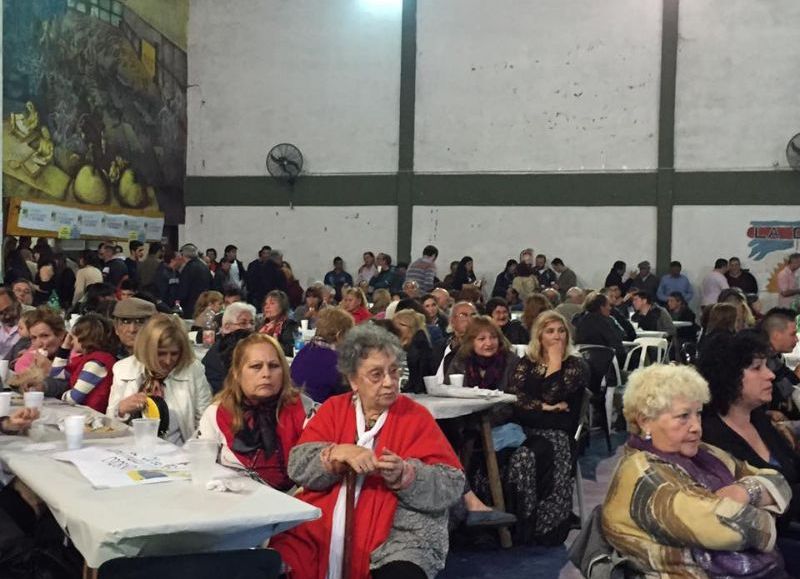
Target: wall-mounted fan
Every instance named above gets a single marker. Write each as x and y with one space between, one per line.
285 162
793 152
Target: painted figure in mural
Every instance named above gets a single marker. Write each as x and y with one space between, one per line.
42 156
25 124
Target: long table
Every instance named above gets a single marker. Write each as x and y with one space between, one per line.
154 519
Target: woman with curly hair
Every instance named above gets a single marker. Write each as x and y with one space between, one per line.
736 418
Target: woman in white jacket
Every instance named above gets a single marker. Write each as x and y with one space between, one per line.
162 373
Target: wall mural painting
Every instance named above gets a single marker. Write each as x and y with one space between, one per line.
94 95
767 237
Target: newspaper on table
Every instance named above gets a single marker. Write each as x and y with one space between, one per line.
121 467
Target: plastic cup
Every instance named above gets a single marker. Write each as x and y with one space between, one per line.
33 400
73 431
5 403
430 382
4 370
457 380
304 325
202 458
145 434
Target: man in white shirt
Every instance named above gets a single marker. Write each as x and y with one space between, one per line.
787 282
714 283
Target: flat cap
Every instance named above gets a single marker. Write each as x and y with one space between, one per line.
133 308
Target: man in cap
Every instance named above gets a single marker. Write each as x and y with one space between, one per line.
130 315
645 281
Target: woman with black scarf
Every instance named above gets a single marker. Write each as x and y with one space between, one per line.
485 357
258 416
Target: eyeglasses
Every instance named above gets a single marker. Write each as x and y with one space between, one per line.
466 315
132 321
377 376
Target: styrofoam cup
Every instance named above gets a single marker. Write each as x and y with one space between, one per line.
457 380
430 382
73 431
145 433
5 403
33 399
303 325
4 370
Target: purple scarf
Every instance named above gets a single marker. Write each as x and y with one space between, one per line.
711 473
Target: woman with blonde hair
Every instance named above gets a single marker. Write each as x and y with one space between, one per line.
413 333
381 298
355 303
162 379
677 507
258 416
549 383
485 357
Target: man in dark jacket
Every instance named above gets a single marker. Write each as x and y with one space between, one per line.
778 327
741 278
194 279
264 275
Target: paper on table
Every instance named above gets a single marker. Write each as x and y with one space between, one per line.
114 467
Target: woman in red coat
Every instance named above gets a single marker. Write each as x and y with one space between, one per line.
258 415
407 474
355 303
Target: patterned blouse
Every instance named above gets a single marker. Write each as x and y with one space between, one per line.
532 388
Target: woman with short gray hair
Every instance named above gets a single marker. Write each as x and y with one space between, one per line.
407 473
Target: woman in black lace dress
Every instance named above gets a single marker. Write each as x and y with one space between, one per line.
549 383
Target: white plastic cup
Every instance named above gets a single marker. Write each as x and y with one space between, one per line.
4 370
5 403
304 325
202 458
73 431
457 380
430 382
33 400
145 433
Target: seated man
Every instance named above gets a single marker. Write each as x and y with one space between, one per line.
778 327
651 317
573 303
129 316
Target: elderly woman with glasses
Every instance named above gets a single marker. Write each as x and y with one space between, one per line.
161 380
406 474
258 416
677 507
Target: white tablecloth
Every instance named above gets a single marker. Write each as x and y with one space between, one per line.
442 408
157 519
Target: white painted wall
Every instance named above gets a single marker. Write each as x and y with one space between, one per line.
310 237
738 82
516 85
587 239
322 74
701 234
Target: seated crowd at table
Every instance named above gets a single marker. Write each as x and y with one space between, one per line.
301 387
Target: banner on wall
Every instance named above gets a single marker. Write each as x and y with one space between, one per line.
67 222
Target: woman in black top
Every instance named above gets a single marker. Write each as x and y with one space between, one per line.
736 419
514 331
464 274
679 312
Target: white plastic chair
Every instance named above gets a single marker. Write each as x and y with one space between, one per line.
584 419
642 344
520 350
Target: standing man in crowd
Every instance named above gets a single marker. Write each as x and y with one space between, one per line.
194 279
645 280
741 278
149 266
137 255
566 277
114 270
237 271
714 283
787 282
423 270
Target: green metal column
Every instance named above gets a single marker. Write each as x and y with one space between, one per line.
405 161
666 134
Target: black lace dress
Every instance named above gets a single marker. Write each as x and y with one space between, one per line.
538 476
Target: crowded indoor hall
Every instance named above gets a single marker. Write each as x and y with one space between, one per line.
400 289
